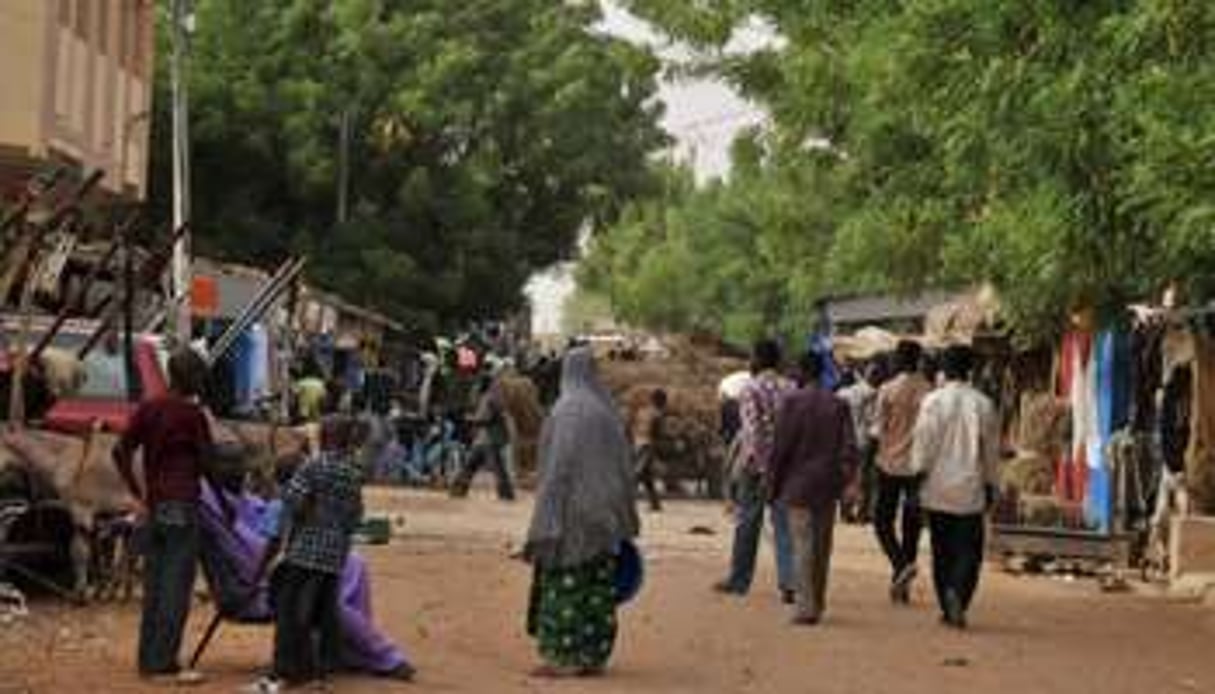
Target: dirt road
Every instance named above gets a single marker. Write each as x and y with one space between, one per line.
447 590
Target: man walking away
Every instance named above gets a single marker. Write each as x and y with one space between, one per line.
857 390
649 439
957 449
492 435
814 459
898 404
758 403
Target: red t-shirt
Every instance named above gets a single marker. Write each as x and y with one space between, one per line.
174 435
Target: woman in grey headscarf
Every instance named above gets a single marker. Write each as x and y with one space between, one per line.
585 507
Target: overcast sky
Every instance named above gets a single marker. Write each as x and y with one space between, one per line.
702 114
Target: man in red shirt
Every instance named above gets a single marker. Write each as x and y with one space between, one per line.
174 436
813 466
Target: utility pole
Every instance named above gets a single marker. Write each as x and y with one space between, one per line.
128 313
183 20
343 192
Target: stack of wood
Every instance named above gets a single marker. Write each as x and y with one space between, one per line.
690 376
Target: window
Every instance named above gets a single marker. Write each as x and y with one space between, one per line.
82 19
105 375
103 27
124 34
139 49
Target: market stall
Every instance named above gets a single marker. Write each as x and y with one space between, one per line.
1095 452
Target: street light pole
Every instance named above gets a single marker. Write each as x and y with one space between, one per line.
182 273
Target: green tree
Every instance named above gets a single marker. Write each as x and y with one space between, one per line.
740 258
485 135
1059 149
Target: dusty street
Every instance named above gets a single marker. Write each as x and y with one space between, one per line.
447 590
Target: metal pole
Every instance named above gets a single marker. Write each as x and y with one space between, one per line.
182 273
128 315
343 201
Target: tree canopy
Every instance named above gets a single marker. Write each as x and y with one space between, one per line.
485 135
1059 149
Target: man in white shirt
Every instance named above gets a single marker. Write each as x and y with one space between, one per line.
957 450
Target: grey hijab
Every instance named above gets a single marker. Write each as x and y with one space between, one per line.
585 503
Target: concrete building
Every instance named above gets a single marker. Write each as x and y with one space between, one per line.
77 89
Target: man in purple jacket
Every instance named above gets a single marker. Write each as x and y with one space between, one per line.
813 462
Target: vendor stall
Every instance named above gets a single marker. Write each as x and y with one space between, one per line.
1096 453
1060 492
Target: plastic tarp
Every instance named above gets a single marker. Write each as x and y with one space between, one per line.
866 343
231 555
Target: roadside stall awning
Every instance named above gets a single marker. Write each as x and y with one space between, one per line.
960 319
864 344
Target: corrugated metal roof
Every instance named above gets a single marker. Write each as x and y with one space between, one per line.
879 308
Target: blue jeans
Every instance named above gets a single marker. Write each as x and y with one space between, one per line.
168 581
749 525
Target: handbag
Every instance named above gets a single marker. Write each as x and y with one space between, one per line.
630 572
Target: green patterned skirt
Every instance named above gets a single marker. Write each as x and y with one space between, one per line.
573 613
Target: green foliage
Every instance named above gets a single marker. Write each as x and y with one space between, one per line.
740 259
583 310
485 135
1060 149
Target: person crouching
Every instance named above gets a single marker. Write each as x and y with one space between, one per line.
322 507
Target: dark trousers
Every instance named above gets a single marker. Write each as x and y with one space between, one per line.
171 556
957 555
307 635
646 462
749 506
813 532
480 456
895 494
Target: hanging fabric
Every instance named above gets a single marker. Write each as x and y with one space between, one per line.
1200 459
1083 402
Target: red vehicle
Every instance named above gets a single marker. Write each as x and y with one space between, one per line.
103 397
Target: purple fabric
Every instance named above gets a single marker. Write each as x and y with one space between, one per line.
231 555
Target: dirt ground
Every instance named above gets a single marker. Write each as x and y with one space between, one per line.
447 590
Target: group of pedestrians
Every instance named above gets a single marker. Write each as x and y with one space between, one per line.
799 455
321 509
797 459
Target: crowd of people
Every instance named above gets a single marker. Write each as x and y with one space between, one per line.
799 452
911 451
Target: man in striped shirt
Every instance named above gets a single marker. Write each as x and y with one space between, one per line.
758 404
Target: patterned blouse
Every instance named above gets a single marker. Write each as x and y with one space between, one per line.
759 402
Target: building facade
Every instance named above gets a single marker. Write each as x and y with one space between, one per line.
77 89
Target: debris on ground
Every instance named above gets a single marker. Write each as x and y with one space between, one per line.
12 604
